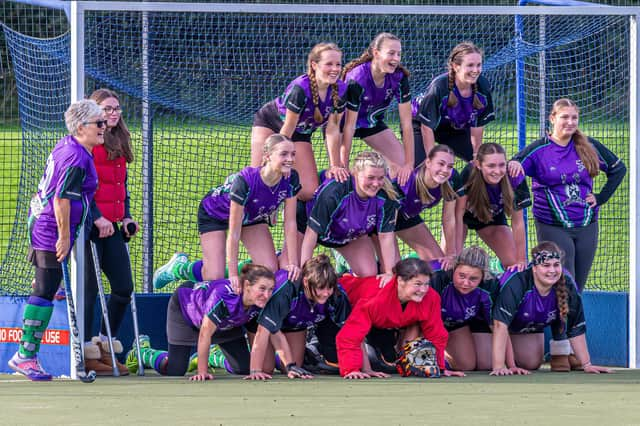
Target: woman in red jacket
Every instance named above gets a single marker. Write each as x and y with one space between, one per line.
405 302
111 209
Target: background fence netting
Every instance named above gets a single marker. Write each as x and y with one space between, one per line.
209 72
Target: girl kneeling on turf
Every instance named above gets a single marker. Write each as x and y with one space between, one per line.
487 197
294 307
405 302
530 300
239 210
433 180
467 294
210 312
342 215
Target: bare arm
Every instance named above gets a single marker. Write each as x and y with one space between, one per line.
258 352
428 138
233 239
500 337
579 346
347 136
207 329
291 237
520 238
460 234
407 134
476 139
449 225
290 123
62 211
308 245
388 251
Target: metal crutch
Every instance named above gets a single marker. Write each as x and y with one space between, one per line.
103 304
131 228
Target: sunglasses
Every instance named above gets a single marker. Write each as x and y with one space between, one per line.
99 123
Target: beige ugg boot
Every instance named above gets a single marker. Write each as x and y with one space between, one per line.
93 360
105 354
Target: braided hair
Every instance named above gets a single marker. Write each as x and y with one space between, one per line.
455 58
315 56
367 55
584 148
476 189
549 250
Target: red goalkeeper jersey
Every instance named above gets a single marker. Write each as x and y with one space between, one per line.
381 308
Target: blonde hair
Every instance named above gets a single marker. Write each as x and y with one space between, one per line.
584 148
373 159
315 55
476 189
455 58
474 257
270 144
367 55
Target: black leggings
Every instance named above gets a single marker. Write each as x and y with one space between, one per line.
235 351
115 264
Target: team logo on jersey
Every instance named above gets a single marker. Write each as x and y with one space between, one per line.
551 316
371 221
580 165
573 195
388 95
470 312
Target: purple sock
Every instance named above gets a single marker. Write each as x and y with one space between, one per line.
196 270
227 367
158 365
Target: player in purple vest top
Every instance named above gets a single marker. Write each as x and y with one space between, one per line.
344 215
373 81
541 295
205 313
467 293
434 180
239 210
456 106
56 215
487 197
562 167
311 101
315 299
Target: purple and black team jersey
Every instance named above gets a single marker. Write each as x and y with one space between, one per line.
410 203
371 102
71 174
520 306
458 309
298 99
288 309
521 197
216 300
431 108
560 182
248 189
338 215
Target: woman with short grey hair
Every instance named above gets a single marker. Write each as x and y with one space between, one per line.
57 210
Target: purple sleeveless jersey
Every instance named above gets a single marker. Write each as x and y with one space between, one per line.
298 98
248 189
371 102
71 174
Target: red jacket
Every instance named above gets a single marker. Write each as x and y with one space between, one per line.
381 308
112 191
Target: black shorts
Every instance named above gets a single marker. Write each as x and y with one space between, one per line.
43 259
403 223
370 131
269 117
472 222
182 332
252 327
475 325
206 223
459 140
